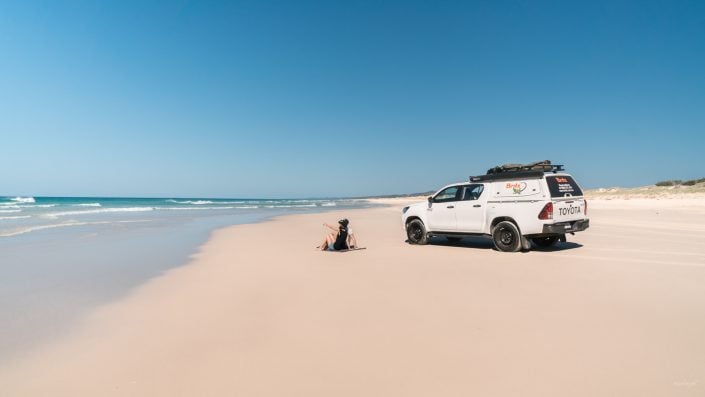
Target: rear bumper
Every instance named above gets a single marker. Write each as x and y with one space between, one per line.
566 227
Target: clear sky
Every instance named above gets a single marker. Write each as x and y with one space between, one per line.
302 99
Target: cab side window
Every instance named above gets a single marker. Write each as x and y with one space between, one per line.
473 192
446 195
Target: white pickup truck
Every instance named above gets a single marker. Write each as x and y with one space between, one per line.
514 204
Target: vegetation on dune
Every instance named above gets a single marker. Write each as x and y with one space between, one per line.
669 183
662 189
678 182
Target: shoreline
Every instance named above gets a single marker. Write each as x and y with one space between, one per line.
53 278
256 315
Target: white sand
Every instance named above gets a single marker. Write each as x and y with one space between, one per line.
618 311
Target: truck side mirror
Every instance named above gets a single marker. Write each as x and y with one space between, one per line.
430 200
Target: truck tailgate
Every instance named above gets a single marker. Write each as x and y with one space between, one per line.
568 210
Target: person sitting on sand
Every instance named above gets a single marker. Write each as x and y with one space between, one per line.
342 239
351 240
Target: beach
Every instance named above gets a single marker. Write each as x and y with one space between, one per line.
617 310
62 257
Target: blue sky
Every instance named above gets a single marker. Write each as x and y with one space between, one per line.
301 99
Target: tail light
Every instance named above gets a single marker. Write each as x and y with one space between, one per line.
585 207
547 212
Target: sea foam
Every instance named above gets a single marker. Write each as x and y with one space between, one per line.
291 206
15 217
100 211
196 202
30 229
194 208
19 199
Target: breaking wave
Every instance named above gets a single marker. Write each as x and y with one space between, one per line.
291 206
15 217
101 211
19 199
194 202
20 204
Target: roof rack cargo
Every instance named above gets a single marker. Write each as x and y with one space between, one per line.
544 165
515 171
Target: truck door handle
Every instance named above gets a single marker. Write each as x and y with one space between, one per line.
477 206
450 206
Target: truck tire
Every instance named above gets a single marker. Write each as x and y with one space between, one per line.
506 237
546 241
416 232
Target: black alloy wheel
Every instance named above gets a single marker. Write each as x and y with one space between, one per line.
416 232
506 237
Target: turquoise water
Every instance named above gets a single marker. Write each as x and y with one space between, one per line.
62 256
21 215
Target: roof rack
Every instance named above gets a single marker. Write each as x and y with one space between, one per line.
515 171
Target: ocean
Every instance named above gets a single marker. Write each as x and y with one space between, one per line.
62 256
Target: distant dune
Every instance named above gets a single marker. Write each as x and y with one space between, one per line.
651 191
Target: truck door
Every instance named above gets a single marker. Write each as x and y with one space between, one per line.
470 210
441 210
